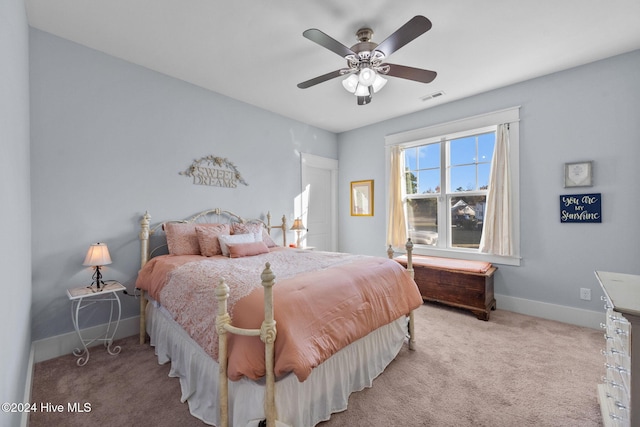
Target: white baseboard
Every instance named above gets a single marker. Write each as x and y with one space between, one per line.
59 345
545 310
24 421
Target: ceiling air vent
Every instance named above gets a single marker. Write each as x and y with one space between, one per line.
432 96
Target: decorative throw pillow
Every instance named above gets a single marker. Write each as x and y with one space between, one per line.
208 238
253 227
247 227
266 238
239 250
182 238
225 240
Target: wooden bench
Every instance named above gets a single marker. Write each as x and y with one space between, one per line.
458 283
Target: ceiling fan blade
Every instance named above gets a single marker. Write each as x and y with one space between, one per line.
320 79
410 73
413 28
328 42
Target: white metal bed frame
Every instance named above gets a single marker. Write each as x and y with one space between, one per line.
267 331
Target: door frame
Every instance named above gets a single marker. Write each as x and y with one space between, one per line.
318 162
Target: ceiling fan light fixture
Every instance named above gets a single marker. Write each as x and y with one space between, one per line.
367 76
350 83
378 83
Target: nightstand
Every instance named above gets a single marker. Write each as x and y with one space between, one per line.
84 297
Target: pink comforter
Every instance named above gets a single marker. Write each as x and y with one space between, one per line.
317 312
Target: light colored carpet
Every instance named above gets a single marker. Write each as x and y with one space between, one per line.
513 370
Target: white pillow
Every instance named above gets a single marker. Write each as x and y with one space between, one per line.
237 238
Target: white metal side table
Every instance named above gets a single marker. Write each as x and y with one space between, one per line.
84 297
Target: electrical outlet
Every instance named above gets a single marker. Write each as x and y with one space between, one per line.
585 294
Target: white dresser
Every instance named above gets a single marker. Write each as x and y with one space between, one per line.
619 393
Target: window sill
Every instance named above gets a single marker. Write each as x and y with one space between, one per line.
468 255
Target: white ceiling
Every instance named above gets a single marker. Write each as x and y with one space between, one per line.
254 51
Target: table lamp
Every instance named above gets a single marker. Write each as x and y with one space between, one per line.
298 226
97 256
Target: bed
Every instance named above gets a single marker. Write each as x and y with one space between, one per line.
250 351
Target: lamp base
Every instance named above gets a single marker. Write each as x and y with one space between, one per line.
97 280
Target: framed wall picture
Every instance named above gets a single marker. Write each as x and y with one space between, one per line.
581 207
578 174
362 198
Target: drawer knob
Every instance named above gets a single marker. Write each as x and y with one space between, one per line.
612 383
618 368
623 370
614 416
619 405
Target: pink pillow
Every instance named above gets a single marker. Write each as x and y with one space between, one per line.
246 228
239 250
182 238
266 238
253 227
208 238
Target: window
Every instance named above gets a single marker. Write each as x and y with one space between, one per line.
444 176
446 189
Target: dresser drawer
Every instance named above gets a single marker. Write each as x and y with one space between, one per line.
613 413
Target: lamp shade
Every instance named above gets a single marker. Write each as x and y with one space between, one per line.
98 254
362 90
367 76
350 83
378 83
297 224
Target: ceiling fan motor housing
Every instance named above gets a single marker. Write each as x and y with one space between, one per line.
364 34
367 57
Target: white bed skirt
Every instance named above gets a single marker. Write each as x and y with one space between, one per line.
298 404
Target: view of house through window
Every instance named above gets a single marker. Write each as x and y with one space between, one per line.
446 189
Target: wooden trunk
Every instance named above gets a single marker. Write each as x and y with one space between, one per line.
457 288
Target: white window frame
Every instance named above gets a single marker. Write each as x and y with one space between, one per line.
452 130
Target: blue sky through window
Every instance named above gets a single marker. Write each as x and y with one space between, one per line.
469 159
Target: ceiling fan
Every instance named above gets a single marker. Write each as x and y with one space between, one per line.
365 59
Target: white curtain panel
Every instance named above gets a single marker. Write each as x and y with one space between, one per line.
397 227
497 229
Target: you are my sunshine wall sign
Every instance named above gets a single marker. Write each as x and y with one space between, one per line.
214 171
581 207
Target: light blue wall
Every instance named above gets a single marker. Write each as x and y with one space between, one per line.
108 141
15 244
109 137
587 113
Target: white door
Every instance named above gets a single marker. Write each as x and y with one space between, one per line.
320 202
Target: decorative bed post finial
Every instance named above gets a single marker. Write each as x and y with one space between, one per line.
284 230
409 247
144 238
